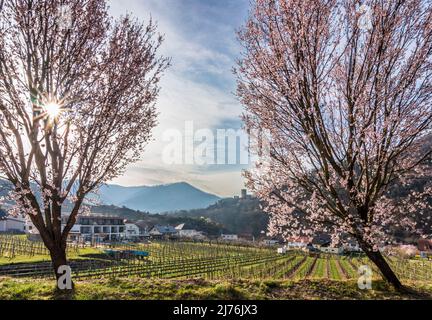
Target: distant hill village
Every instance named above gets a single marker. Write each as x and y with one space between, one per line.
193 225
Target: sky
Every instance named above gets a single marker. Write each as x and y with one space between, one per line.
197 91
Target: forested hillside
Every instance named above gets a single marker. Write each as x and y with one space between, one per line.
239 216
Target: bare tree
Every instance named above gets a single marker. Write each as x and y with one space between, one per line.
342 90
77 95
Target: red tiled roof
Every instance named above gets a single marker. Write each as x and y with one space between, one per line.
424 245
300 239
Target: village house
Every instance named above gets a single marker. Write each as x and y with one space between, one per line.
270 242
159 231
299 243
29 227
132 231
321 240
189 233
229 237
351 246
143 229
96 228
246 237
9 224
425 248
89 228
322 243
282 250
332 250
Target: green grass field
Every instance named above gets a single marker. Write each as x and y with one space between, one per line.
201 289
83 253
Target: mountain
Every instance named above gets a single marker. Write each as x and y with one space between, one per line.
157 199
237 215
5 187
153 199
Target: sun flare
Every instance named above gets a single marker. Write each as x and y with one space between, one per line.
52 110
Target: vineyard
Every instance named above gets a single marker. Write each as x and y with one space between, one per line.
12 246
186 260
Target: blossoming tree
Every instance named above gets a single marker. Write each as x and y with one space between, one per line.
342 92
77 95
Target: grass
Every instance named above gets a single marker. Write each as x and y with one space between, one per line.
199 289
82 254
24 259
334 273
319 269
169 257
348 268
302 270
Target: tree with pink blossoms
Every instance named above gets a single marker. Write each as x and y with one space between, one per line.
341 91
77 105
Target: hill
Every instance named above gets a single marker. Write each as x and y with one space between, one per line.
230 215
153 199
237 215
157 199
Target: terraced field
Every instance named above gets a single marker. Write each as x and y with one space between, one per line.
187 260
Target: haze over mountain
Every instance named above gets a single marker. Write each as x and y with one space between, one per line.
153 199
157 199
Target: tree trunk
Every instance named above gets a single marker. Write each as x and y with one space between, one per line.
58 259
387 272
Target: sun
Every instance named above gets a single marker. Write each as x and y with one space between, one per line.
52 110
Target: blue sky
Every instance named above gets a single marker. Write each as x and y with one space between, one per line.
200 37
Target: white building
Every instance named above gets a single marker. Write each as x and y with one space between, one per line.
12 224
132 230
89 228
97 228
229 237
352 246
282 250
298 242
334 250
270 242
189 233
163 231
30 227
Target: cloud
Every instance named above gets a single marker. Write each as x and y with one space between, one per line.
200 38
